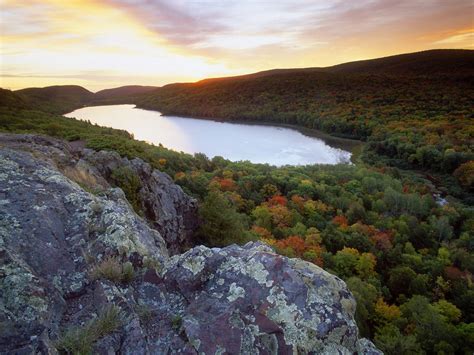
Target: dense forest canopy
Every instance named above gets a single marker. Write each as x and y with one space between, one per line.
398 226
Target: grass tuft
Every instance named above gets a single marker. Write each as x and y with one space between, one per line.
80 340
114 270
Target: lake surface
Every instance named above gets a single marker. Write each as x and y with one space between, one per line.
256 143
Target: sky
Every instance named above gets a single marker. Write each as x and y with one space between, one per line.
108 43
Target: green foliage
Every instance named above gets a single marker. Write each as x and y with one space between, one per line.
130 183
80 340
221 223
391 341
366 295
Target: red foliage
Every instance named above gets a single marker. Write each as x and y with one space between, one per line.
226 184
453 273
341 221
277 200
294 242
382 241
300 249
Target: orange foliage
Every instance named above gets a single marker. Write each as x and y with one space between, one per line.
340 221
277 200
180 175
281 216
226 184
382 241
262 232
294 242
298 201
297 247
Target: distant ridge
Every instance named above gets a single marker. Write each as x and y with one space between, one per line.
348 100
128 90
215 97
56 99
436 61
424 62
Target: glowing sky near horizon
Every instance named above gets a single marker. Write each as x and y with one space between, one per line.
106 43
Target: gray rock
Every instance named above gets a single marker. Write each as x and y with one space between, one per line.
168 209
243 300
165 206
51 231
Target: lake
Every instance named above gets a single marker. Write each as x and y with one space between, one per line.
233 141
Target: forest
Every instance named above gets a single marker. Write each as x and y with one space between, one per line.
414 110
397 226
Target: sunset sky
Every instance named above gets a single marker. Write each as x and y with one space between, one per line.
107 43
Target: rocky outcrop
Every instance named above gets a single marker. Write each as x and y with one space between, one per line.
51 231
247 300
67 255
164 205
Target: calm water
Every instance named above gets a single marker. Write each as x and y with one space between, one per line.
258 144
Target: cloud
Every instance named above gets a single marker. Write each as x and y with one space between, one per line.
193 39
465 39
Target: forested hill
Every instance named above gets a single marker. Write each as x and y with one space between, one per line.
123 94
414 109
128 90
55 99
437 61
66 98
347 100
433 62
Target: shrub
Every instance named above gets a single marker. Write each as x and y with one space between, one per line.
80 340
130 183
114 270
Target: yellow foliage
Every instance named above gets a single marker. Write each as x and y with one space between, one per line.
386 312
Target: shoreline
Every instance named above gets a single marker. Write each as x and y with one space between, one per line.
352 146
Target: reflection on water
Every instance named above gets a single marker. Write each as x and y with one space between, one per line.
258 144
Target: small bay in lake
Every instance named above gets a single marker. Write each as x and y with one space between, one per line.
234 141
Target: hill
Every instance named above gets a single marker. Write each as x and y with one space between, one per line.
400 239
129 90
66 98
414 109
10 99
123 94
55 99
438 61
